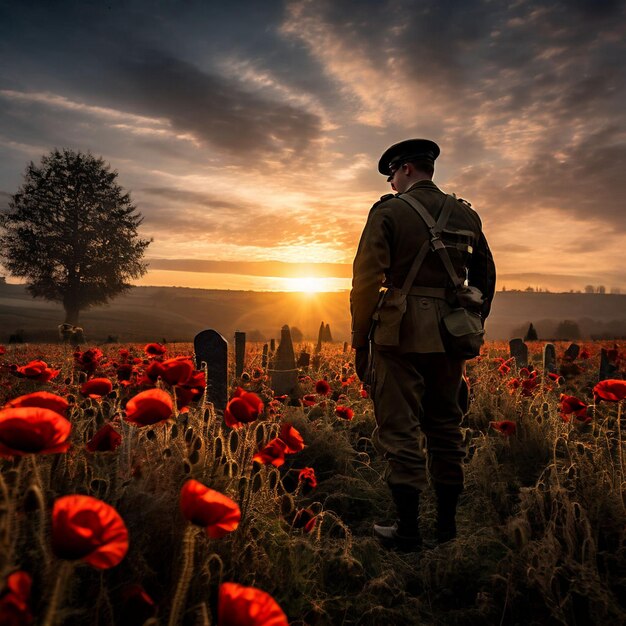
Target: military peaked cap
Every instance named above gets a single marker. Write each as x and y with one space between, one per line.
407 151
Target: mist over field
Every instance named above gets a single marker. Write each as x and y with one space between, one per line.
177 314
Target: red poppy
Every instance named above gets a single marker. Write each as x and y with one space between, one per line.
584 355
32 430
36 370
529 385
307 476
155 349
344 412
309 399
124 354
192 390
273 453
96 388
137 605
555 377
14 609
41 399
504 369
124 371
322 387
212 510
581 418
570 404
610 390
305 519
363 392
89 360
175 371
506 427
2 350
106 439
88 529
244 407
248 606
149 407
292 438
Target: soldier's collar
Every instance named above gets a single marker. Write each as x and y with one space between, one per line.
425 183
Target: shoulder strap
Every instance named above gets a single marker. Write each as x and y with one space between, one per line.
435 229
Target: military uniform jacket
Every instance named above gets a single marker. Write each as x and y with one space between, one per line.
391 239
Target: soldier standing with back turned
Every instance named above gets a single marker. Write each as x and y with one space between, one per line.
415 385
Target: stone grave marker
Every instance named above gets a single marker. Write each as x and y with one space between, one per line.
320 338
284 375
304 359
571 354
240 352
211 348
345 347
272 345
264 356
519 350
549 359
327 336
608 368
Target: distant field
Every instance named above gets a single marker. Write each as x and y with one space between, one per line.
177 314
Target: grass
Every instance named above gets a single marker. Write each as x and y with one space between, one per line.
542 521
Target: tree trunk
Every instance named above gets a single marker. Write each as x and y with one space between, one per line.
71 313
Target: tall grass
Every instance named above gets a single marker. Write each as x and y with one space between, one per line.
542 521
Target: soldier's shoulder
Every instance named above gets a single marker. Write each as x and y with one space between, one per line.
463 201
382 201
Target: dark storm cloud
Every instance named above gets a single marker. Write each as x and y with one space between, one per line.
214 109
93 55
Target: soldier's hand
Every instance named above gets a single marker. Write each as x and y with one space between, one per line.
360 362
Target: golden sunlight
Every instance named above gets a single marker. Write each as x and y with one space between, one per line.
311 284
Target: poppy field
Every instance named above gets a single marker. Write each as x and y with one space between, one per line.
125 498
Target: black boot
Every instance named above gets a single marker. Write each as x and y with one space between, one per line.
404 534
447 500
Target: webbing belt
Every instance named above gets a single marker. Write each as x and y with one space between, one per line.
428 292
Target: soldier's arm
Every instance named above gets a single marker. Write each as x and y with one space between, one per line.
371 262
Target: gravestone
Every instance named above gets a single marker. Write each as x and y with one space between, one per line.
211 348
608 367
345 347
272 345
304 359
240 352
519 350
320 338
327 336
264 357
549 358
284 374
571 354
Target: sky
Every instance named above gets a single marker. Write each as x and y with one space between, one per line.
249 134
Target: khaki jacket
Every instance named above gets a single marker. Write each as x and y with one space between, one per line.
391 239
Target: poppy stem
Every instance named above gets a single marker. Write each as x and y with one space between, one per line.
619 451
63 575
189 540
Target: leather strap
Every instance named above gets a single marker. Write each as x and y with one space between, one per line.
435 229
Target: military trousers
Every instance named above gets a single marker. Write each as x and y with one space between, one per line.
418 418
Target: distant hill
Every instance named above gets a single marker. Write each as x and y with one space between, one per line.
177 314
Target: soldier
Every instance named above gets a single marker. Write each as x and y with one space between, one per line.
415 384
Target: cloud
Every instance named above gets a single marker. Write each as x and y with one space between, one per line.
254 268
